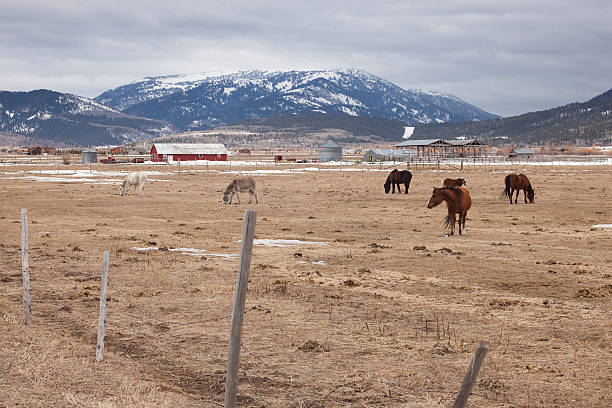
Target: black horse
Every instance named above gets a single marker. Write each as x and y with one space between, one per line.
396 178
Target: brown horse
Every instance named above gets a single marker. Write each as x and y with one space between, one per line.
458 201
517 182
458 182
396 178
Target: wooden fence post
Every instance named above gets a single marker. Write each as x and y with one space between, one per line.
102 316
25 269
470 375
233 355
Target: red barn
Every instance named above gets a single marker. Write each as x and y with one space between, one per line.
174 152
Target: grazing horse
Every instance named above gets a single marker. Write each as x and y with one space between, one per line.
136 180
517 182
396 178
458 182
240 185
458 201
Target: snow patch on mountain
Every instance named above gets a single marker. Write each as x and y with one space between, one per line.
194 101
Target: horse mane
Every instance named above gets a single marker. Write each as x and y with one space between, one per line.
229 187
389 177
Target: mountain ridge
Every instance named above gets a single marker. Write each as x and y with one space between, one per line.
63 119
215 99
579 123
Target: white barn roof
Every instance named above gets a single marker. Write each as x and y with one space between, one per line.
331 143
388 152
190 148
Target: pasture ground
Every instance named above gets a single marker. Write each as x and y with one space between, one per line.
386 314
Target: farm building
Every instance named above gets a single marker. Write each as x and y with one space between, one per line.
173 152
330 151
521 153
35 151
89 156
467 148
374 155
435 148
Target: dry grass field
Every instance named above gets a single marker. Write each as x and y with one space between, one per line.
376 309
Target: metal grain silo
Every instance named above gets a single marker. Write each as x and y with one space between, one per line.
89 156
330 151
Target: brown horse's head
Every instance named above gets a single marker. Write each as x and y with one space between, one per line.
531 194
436 198
388 185
461 182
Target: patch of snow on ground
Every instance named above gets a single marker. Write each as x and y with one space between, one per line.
602 226
281 243
189 251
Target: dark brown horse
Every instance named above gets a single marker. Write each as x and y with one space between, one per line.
458 182
458 201
396 178
517 182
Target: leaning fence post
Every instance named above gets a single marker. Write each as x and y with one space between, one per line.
102 316
233 355
470 375
25 269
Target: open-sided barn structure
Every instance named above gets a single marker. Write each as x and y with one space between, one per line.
435 148
173 152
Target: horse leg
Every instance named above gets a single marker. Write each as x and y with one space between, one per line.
525 192
511 194
238 196
516 197
406 188
399 190
256 200
452 220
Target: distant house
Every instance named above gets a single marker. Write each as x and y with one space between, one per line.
521 153
173 152
375 155
35 151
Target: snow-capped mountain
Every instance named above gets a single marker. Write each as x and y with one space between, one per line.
202 101
65 119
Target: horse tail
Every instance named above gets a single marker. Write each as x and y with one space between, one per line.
447 221
407 179
506 192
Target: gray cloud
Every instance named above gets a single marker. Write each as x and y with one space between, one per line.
505 58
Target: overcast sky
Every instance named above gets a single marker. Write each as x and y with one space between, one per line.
506 57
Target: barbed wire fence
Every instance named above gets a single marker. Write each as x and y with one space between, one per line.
238 313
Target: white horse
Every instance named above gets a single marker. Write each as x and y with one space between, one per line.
240 185
136 180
